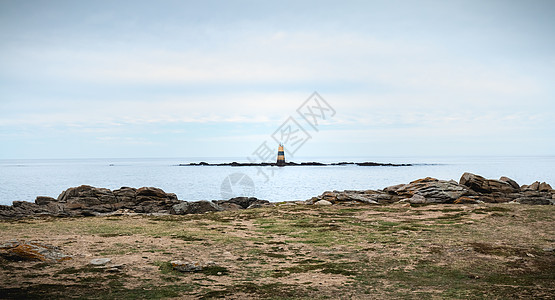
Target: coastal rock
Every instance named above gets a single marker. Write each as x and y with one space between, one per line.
42 200
243 202
482 185
197 207
544 187
433 190
322 203
125 194
361 197
30 250
417 199
87 195
511 182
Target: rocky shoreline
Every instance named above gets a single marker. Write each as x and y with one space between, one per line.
290 163
91 201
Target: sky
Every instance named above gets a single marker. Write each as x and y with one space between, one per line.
117 79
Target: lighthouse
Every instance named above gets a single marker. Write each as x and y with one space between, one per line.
280 157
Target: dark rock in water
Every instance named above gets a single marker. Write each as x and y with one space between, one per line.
30 250
373 164
290 163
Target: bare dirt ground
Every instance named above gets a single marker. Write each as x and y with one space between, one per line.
396 251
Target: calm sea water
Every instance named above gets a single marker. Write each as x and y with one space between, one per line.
26 179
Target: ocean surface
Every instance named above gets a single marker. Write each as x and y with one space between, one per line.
23 180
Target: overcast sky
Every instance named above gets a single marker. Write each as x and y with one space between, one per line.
85 79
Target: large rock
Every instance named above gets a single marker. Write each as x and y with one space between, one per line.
511 182
197 207
432 190
537 186
42 200
350 196
482 185
87 195
243 202
30 250
125 194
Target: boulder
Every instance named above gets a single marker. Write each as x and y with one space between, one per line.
433 190
197 207
467 200
152 193
243 202
544 187
323 203
42 200
31 251
191 266
100 261
482 185
417 199
349 196
87 195
511 182
125 194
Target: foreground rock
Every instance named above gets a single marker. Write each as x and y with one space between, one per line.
191 266
471 188
31 251
91 201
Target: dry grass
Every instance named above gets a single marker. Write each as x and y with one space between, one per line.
356 252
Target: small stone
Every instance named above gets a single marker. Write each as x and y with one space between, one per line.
549 249
191 266
323 203
100 261
417 199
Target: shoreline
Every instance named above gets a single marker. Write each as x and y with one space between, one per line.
86 200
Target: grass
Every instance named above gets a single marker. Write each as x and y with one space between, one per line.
295 252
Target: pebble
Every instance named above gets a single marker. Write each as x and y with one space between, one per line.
100 261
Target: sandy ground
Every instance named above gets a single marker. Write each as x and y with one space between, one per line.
355 252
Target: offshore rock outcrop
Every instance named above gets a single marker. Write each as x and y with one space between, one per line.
86 200
471 188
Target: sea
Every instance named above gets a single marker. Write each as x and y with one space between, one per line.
25 179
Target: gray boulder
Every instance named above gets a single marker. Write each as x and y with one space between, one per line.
432 190
197 207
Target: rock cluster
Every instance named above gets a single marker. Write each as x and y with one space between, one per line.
471 188
90 201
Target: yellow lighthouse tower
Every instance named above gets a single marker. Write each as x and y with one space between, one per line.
280 157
